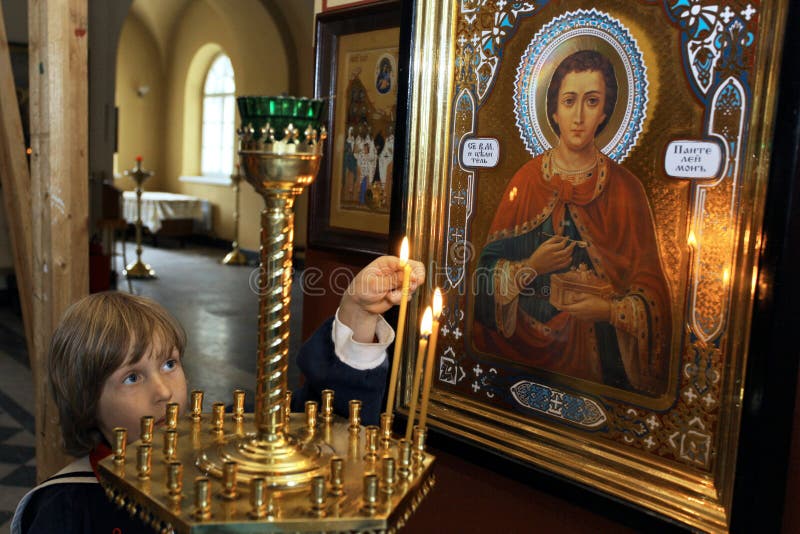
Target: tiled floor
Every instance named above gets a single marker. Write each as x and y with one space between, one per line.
218 309
17 453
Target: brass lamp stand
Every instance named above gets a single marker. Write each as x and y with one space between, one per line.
139 269
315 472
235 256
278 170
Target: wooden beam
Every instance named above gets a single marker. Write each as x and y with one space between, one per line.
15 180
58 36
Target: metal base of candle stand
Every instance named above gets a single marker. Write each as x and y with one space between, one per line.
234 257
139 271
344 507
286 463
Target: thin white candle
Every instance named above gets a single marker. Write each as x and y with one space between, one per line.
401 323
426 384
424 333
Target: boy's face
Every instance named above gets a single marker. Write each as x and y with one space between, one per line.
141 388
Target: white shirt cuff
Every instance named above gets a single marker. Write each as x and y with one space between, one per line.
361 356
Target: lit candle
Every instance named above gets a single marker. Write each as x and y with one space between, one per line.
426 384
691 241
424 333
401 323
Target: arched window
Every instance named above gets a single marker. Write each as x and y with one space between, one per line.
219 113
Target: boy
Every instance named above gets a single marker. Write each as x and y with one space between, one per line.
113 358
116 357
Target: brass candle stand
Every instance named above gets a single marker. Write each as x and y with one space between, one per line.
362 485
271 471
138 269
235 256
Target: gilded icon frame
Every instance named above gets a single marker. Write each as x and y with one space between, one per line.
344 214
693 482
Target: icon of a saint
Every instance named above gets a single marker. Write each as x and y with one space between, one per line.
383 83
570 280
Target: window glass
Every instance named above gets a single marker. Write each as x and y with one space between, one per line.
218 118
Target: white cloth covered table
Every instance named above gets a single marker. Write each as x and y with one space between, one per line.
158 206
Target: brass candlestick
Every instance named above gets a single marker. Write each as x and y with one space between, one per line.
235 257
279 170
318 473
138 269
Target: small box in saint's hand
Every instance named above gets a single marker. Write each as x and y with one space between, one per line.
567 288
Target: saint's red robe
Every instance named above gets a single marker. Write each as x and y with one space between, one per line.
611 212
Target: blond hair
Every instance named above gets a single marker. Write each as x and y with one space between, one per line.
95 337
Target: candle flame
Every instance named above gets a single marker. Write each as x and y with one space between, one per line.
426 326
692 240
404 252
726 276
437 303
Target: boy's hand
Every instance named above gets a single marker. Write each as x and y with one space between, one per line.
375 289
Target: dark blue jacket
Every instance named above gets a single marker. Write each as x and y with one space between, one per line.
73 502
324 370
